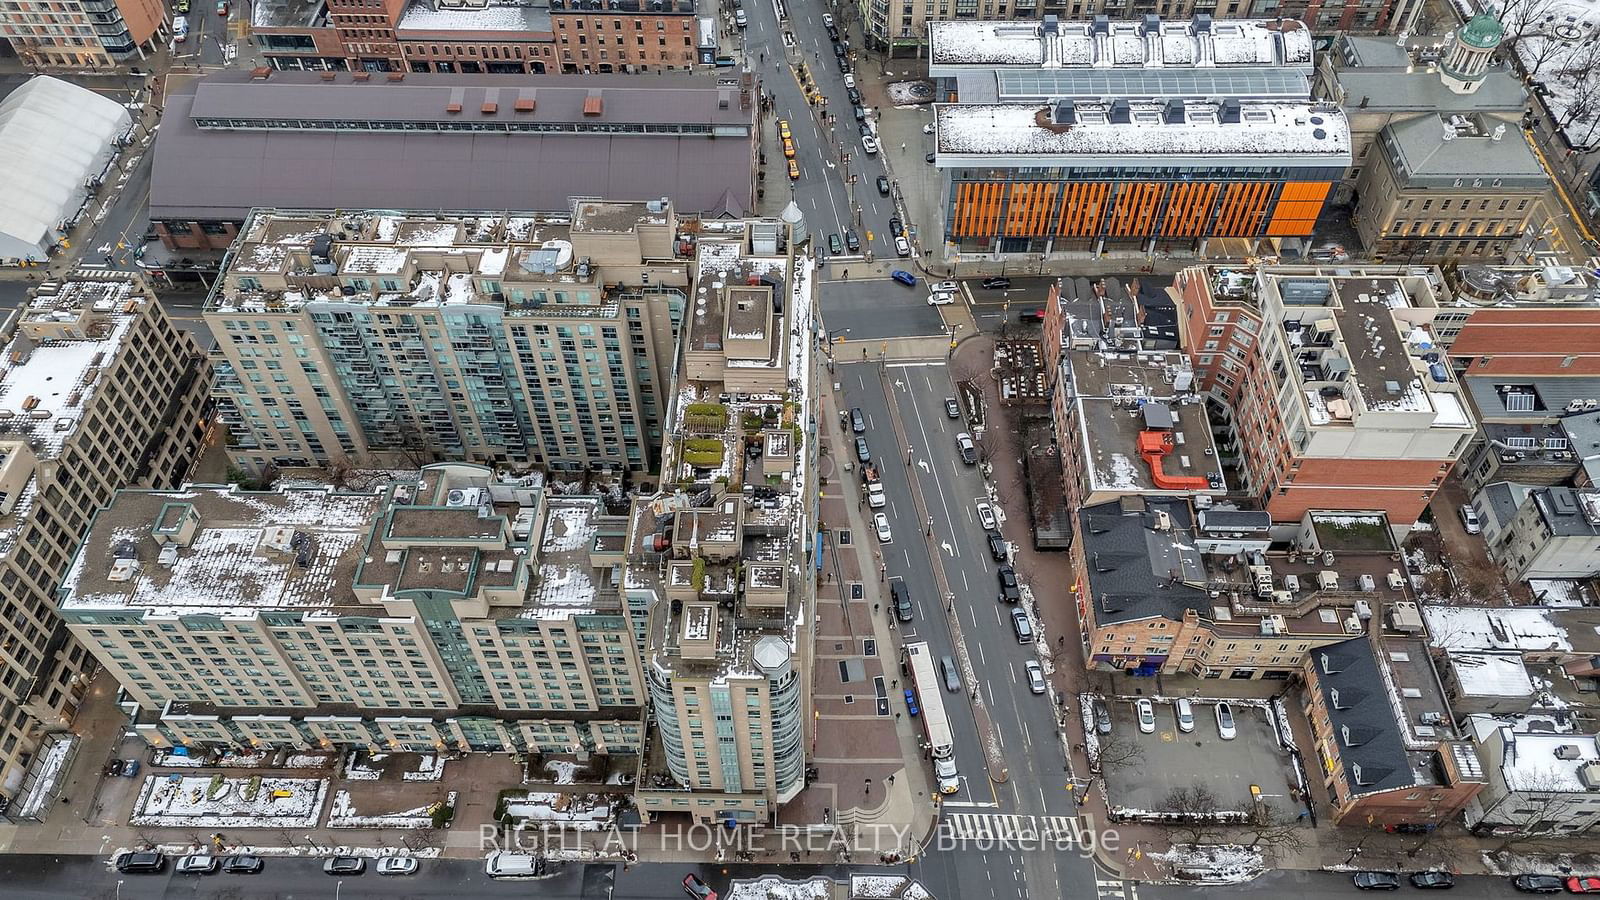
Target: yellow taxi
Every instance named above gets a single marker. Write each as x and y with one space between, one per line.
783 129
788 148
794 170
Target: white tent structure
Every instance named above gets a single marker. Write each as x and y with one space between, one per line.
54 137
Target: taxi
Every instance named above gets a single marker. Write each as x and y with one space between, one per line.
788 148
794 170
783 129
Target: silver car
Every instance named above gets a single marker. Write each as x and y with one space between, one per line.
397 865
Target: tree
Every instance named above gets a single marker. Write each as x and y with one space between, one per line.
1194 812
1116 753
1272 826
1534 808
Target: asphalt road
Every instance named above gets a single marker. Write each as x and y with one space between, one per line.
973 856
827 153
876 308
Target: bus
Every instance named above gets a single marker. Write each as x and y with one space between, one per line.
916 661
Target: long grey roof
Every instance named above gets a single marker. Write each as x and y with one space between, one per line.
1357 700
1377 75
1429 158
206 173
1136 572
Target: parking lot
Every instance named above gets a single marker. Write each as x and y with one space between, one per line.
1169 758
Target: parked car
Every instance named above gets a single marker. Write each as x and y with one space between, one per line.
985 515
1577 885
947 286
860 114
794 170
398 865
1376 881
929 157
865 129
849 80
1469 519
902 247
995 284
788 148
952 675
183 6
345 865
969 450
952 408
876 497
839 50
699 890
740 19
895 227
835 246
883 185
243 865
1184 711
851 241
854 95
880 522
197 864
1007 576
222 7
1433 880
1021 625
141 862
1146 713
900 598
1035 676
1538 884
129 768
827 20
1102 717
1225 723
997 547
940 298
783 129
863 452
858 422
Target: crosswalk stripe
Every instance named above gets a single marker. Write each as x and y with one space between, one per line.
999 827
1115 890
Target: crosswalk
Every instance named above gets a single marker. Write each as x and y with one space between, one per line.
1110 889
997 828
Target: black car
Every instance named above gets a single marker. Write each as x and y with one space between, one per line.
345 865
1008 584
1433 880
883 185
996 284
896 229
833 245
1031 316
860 114
866 130
851 242
839 50
833 32
901 598
1538 884
863 452
144 862
997 547
1376 881
858 422
928 158
853 94
243 865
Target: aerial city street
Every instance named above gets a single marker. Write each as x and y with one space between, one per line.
771 449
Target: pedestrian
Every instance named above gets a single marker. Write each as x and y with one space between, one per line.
845 275
896 718
875 607
902 146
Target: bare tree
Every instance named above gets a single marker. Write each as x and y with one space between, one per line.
1272 826
1116 753
1534 808
967 368
1195 814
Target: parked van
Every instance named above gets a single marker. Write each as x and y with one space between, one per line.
501 864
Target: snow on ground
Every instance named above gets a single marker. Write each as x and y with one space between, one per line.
565 771
358 766
581 812
1556 44
307 761
343 815
771 887
297 850
231 759
429 768
1221 864
184 803
1505 863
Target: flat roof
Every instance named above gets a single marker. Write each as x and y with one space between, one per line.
1316 134
1018 85
518 18
1202 42
222 173
1116 393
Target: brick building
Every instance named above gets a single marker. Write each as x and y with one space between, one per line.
83 34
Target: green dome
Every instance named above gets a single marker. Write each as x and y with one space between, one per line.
1482 31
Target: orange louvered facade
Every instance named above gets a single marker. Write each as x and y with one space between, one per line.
1135 209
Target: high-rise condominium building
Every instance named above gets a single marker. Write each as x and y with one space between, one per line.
456 611
83 34
723 556
98 391
368 338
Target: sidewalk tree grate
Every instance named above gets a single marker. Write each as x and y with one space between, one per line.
857 590
869 647
843 536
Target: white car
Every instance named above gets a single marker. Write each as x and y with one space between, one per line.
1225 725
869 144
941 298
397 865
876 498
180 29
927 128
1147 716
902 247
827 21
849 80
1035 676
881 522
1185 713
985 516
949 777
1469 519
948 287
